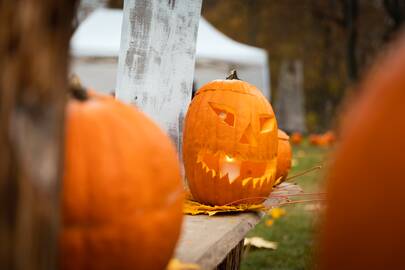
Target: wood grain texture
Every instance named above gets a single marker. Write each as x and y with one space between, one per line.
207 241
156 61
34 40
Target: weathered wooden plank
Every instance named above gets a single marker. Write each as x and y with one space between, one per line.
156 61
34 42
207 241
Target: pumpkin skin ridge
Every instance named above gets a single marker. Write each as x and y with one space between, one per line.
284 156
238 86
229 90
109 243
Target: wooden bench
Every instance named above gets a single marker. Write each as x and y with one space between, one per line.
216 242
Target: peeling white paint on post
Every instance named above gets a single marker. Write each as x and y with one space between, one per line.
156 61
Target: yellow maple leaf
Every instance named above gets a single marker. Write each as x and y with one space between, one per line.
277 212
269 222
176 264
196 208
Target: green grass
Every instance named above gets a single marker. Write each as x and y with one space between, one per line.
296 231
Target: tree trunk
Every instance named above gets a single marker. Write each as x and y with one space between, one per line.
350 18
396 12
34 42
290 102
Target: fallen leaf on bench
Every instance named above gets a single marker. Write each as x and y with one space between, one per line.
259 242
176 264
196 208
279 195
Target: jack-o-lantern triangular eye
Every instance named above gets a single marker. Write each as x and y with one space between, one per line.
223 113
267 123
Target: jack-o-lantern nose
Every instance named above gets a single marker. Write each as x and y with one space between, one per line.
248 136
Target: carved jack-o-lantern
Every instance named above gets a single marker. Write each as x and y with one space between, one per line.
230 143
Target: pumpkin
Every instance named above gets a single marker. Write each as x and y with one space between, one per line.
329 137
326 139
122 191
284 156
296 138
314 139
230 143
364 220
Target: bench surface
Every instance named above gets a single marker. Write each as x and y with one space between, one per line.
206 240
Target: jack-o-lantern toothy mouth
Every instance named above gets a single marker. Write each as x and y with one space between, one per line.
220 165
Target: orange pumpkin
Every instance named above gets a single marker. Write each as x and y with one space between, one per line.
329 137
284 156
364 221
314 139
230 143
326 139
122 191
296 138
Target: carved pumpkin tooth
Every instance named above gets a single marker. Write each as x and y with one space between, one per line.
230 166
246 181
255 181
263 180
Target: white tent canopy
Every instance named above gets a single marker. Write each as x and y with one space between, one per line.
99 37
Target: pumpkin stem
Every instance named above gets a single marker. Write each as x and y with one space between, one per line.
233 75
76 88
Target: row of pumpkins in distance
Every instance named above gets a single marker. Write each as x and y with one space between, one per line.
326 139
122 188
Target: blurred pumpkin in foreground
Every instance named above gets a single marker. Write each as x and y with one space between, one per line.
365 222
284 156
230 143
122 192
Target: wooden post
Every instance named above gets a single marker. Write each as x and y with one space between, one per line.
34 42
233 259
290 109
156 61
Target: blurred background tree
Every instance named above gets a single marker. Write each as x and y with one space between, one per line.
336 40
